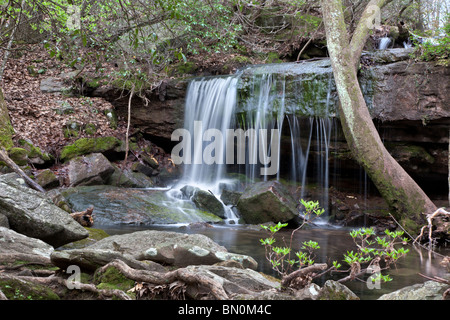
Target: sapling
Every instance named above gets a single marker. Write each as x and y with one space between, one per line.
371 250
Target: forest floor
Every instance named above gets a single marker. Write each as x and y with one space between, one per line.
34 114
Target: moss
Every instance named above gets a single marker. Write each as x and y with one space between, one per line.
273 57
90 129
112 278
88 145
112 118
19 156
34 152
94 236
6 129
23 290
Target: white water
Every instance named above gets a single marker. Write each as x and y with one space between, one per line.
384 43
213 101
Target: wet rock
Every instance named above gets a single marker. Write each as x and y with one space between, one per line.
333 290
429 290
115 205
204 200
93 169
230 197
266 201
33 214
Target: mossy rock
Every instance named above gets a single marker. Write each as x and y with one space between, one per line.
85 146
112 118
111 279
6 129
33 151
47 179
183 68
24 290
19 156
94 236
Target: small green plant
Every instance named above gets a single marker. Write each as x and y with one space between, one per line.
373 253
280 256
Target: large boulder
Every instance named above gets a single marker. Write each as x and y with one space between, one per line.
83 146
91 259
92 169
266 201
172 248
429 290
22 247
33 214
333 290
114 205
235 281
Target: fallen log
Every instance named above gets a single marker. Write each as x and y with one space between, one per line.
11 164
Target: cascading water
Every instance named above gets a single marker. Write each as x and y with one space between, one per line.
384 43
212 103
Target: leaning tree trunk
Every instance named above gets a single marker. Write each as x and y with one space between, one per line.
404 197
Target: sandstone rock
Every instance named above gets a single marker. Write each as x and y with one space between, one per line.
12 242
114 205
172 248
333 290
429 290
204 200
266 201
47 179
33 214
91 259
89 170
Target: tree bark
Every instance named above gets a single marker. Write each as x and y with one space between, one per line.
4 157
404 197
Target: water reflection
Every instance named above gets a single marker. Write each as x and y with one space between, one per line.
333 244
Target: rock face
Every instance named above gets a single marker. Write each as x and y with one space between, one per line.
266 201
33 214
16 243
93 169
429 290
172 248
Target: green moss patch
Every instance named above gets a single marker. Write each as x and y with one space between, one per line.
85 146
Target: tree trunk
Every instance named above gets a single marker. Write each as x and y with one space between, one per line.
404 197
6 129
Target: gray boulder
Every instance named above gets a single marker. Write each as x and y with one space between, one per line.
172 248
91 259
333 290
21 246
92 169
204 200
429 290
266 201
235 281
33 214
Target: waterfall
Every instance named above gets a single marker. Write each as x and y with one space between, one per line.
217 104
210 102
384 43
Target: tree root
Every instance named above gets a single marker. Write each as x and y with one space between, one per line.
430 217
182 274
302 277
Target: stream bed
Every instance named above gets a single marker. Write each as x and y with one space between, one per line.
333 241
